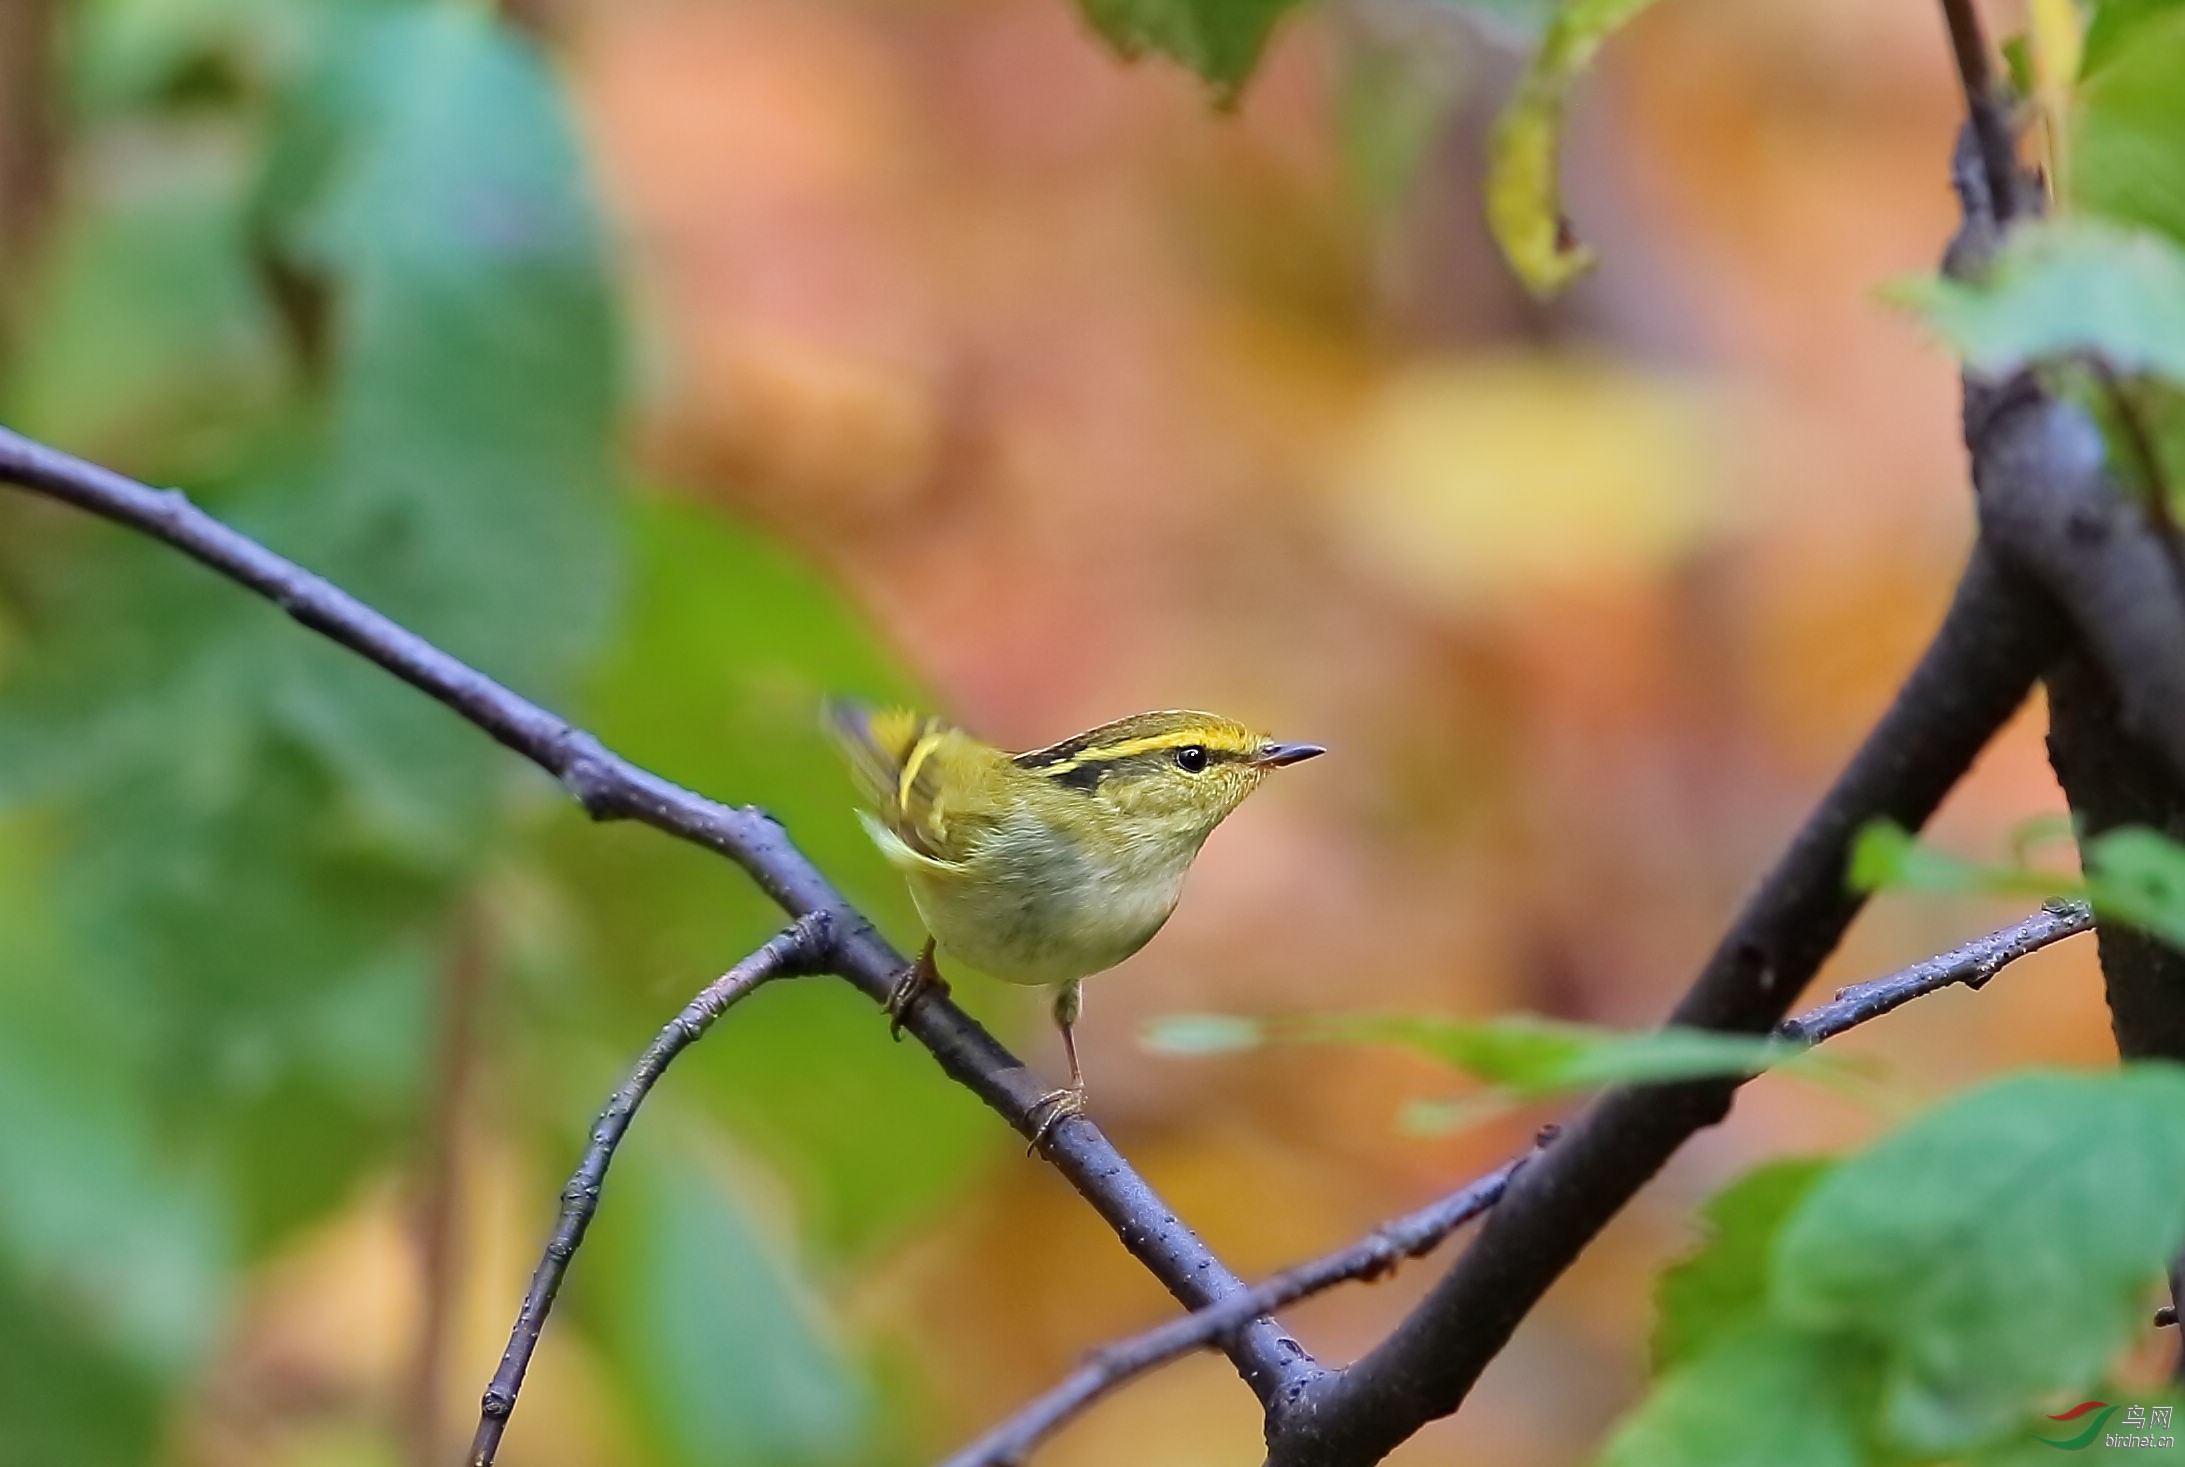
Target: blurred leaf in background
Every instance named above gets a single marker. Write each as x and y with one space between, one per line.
722 1350
1519 1056
250 843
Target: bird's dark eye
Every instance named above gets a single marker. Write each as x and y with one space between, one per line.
1191 758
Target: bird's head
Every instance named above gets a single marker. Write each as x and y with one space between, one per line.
1170 776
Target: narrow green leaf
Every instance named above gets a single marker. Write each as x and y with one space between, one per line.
1204 1034
1998 1249
2134 875
1887 857
1524 1054
1524 193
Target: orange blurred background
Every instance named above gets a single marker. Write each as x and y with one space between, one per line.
1098 397
1101 398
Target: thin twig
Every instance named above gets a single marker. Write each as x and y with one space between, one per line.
1380 1251
1991 128
1972 965
804 947
612 788
1113 1366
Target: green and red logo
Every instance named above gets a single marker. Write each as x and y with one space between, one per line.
2085 1438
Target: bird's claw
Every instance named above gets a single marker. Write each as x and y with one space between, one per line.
1059 1104
918 980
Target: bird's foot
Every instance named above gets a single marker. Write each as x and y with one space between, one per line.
918 980
1058 1104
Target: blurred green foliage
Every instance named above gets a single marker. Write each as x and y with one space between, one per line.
1519 1057
1915 1302
336 268
2132 874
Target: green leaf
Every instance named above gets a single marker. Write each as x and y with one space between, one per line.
2133 875
1758 1394
1724 1285
1524 193
255 836
1887 857
1524 1054
2125 163
725 1357
2138 875
1190 1034
69 1400
2060 287
1221 40
115 1251
143 339
476 356
1996 1250
2111 26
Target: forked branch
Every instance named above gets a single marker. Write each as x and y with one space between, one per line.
611 788
1380 1251
804 947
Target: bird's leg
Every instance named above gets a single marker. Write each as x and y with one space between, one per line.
1070 1100
918 980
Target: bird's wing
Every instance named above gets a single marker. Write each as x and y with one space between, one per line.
929 783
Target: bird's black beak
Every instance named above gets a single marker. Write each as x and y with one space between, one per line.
1274 756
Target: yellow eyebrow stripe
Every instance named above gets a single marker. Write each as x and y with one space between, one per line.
1175 739
927 743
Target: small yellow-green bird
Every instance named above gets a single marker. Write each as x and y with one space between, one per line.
1049 866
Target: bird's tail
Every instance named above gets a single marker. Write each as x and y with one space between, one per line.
877 744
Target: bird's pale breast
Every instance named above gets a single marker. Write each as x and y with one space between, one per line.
1042 914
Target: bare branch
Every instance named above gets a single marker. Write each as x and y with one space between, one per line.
2051 510
1374 1256
1972 965
1983 104
611 788
1978 669
1380 1251
804 947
